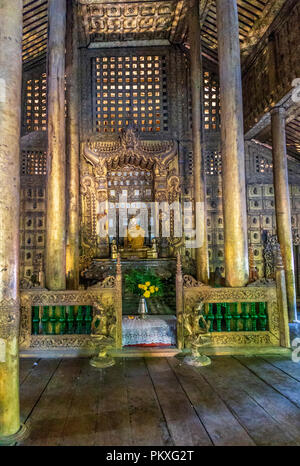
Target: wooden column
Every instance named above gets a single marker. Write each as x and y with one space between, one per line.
55 261
232 137
282 205
282 301
202 263
179 303
72 128
10 112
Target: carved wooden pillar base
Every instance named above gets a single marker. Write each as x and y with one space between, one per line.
102 362
199 360
11 440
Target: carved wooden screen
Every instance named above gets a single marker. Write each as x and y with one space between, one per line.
33 162
130 86
134 182
211 102
35 103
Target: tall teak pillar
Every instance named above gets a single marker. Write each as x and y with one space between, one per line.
72 94
282 203
233 161
202 263
55 260
10 116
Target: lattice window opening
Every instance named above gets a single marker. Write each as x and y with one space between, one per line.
262 165
35 105
213 163
211 102
33 163
130 87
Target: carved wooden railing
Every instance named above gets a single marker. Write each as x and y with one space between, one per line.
62 319
253 315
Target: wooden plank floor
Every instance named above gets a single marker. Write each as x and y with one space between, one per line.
159 401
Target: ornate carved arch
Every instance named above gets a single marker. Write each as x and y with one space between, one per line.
103 156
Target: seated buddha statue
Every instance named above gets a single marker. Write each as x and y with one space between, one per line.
135 234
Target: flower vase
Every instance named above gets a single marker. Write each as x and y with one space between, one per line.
143 309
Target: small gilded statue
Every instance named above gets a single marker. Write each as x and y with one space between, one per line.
114 249
102 330
196 335
135 234
153 253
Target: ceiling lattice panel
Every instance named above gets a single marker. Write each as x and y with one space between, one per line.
35 29
141 20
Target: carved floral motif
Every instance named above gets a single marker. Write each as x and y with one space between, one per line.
9 317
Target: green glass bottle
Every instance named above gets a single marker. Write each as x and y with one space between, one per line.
35 320
254 317
70 320
245 317
262 317
45 320
79 321
236 318
228 317
210 317
62 320
53 320
88 319
219 317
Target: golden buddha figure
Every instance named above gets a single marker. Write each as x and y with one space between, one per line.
135 235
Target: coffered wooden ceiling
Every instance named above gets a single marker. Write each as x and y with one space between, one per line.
118 20
133 20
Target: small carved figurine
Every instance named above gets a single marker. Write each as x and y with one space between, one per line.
197 334
114 249
101 332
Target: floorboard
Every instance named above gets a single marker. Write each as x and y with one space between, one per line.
285 364
148 425
79 428
113 422
26 367
35 383
50 413
183 422
260 425
161 402
280 381
210 408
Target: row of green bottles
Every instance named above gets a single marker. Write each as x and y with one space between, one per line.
61 320
227 317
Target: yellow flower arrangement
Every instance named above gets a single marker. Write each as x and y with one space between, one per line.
144 283
148 289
